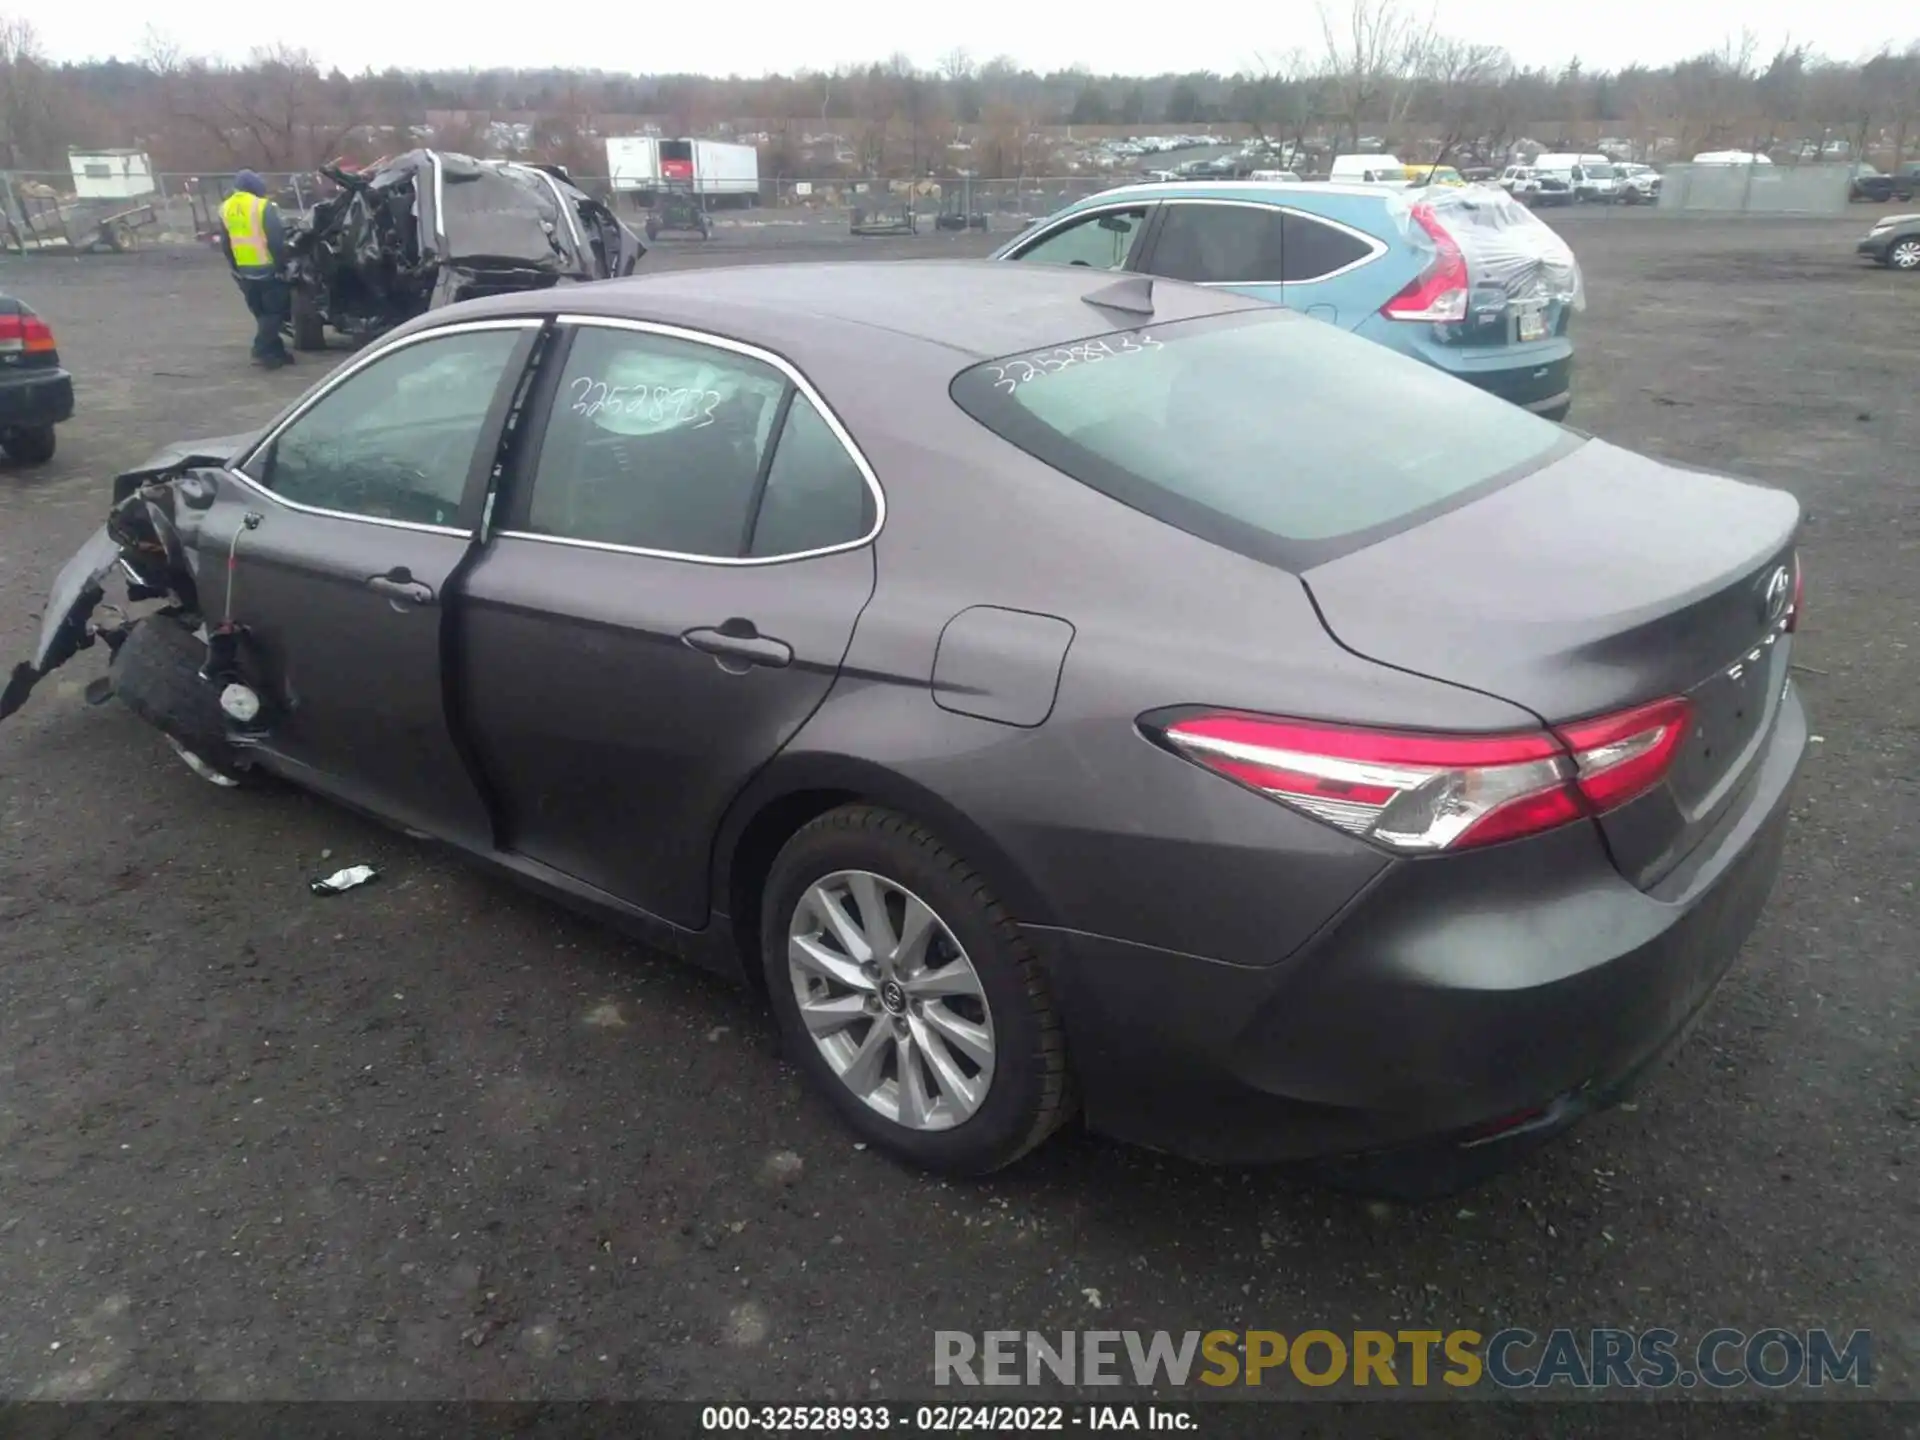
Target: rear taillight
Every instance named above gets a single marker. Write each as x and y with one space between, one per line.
1439 292
1623 756
1414 792
25 334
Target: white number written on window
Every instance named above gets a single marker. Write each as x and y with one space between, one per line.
1010 375
658 404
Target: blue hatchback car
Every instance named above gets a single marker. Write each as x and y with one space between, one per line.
1464 278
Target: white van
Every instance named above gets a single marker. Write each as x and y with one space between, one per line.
1589 177
1368 170
1731 157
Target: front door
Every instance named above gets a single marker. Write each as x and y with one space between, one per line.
668 599
344 528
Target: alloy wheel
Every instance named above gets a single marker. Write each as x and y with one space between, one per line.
1906 255
891 1000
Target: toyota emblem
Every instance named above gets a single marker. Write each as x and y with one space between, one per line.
1779 590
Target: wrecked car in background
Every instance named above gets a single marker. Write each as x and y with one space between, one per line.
428 228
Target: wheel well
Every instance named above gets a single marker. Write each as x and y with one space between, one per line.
753 857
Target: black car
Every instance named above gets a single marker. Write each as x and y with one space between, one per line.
1894 242
431 228
1870 186
35 392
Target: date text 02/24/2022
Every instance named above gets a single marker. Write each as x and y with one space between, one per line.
939 1419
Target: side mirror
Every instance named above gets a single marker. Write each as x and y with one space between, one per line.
196 489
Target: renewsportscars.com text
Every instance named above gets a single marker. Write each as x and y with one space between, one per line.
1508 1359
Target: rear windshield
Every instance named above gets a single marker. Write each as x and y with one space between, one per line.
1273 434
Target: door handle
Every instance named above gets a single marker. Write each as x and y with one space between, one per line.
741 644
398 584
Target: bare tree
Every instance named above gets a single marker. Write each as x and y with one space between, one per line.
1368 56
1464 80
30 103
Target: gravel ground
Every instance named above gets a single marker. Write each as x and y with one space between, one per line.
437 1138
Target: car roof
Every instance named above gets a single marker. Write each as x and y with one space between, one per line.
944 313
1276 190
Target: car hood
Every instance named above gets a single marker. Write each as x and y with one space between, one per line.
1886 220
182 455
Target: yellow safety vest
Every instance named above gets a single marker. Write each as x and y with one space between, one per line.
245 217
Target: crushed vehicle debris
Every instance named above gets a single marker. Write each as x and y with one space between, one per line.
429 228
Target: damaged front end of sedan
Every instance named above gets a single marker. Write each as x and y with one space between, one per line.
429 228
172 664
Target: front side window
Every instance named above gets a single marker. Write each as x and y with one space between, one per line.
394 440
1104 241
1221 244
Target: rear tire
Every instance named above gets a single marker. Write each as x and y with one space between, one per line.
156 675
982 961
309 327
29 444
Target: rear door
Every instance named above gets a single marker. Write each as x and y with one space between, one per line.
684 550
333 543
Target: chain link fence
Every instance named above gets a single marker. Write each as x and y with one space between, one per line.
39 210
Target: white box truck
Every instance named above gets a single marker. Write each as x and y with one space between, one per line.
633 166
719 172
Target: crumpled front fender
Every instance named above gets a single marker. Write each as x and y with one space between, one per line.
65 628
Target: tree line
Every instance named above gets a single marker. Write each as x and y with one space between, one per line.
1376 71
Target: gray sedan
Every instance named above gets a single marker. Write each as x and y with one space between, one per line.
1056 692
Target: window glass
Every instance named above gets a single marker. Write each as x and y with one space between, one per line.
1101 241
1261 426
654 442
1221 244
1313 249
816 496
396 440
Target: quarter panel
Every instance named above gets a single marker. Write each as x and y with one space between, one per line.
1110 833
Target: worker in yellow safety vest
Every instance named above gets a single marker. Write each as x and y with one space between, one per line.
254 238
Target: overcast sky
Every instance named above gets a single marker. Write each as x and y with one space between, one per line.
752 37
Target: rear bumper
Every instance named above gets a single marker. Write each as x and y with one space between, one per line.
1546 385
1457 1011
31 399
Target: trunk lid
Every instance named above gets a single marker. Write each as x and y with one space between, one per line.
1602 581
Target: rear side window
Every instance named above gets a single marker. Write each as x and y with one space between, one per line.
658 443
1221 244
816 496
655 443
1314 250
1259 431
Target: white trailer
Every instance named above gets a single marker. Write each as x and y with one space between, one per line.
633 164
721 168
110 174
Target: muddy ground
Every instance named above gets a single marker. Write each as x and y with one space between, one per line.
439 1138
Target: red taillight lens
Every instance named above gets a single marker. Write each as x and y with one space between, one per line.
1416 793
1620 757
27 334
1438 294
